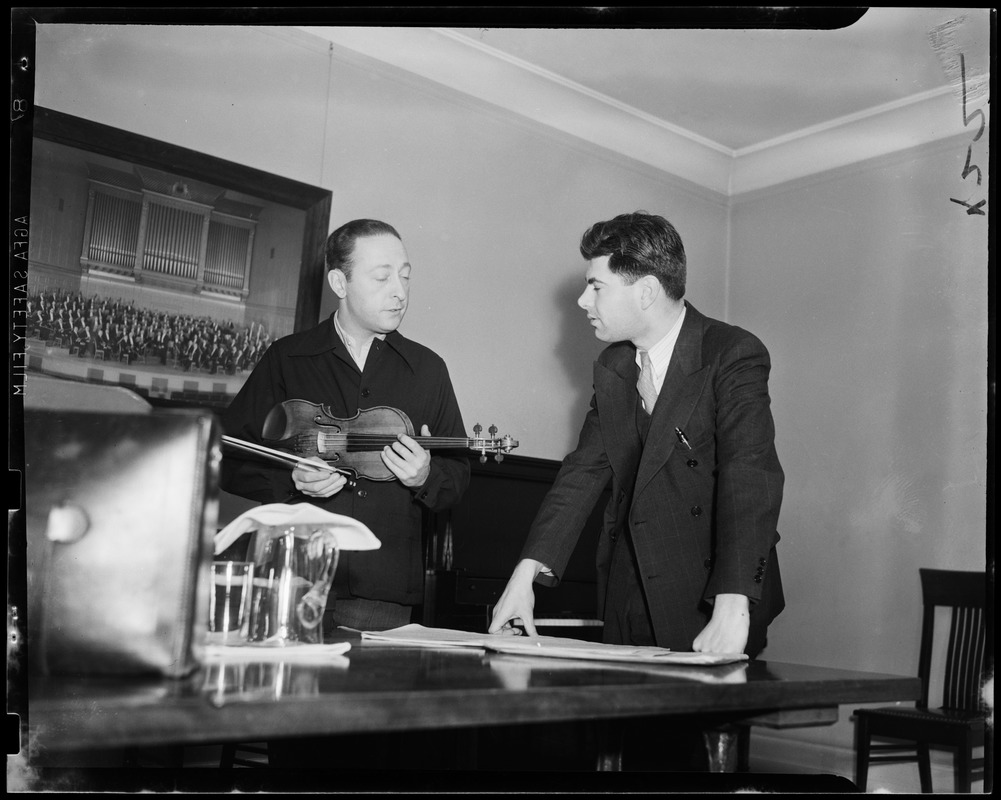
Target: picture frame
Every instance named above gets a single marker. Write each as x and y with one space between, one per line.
75 163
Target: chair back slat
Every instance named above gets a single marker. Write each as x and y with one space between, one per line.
965 594
964 660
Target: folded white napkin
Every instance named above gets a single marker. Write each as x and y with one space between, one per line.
349 532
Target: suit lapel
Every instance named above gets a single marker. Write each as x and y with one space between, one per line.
683 385
615 387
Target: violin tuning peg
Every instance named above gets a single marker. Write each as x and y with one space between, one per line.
477 429
498 458
493 431
483 459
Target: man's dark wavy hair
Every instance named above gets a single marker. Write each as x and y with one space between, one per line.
639 244
341 243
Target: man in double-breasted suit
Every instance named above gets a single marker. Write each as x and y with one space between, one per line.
680 423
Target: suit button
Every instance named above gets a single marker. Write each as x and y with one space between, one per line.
696 511
757 579
707 563
365 393
762 561
692 462
362 494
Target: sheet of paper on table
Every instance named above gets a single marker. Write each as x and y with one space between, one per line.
547 646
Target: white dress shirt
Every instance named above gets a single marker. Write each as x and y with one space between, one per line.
359 352
660 353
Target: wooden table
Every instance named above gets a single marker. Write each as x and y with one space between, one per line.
378 687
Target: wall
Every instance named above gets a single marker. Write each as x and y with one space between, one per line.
245 94
491 208
869 287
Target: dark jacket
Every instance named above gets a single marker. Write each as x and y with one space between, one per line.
702 520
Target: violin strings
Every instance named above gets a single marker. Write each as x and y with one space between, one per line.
360 441
390 439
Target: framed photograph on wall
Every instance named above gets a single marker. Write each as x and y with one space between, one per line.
162 269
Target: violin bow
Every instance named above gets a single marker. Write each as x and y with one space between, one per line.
283 457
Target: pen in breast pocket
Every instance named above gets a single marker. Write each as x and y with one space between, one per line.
681 438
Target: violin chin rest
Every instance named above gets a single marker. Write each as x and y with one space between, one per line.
275 424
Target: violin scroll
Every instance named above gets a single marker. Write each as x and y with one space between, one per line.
492 445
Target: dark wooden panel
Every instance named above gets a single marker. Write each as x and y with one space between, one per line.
474 547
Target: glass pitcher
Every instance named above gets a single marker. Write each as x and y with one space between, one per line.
293 571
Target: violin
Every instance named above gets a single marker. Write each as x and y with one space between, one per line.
353 446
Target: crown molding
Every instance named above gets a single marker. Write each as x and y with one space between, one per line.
469 67
914 122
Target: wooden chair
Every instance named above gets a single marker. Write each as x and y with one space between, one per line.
960 721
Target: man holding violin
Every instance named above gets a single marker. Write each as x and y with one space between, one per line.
353 361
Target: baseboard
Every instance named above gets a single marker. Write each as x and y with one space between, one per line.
784 752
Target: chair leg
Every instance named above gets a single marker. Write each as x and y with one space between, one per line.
722 748
175 756
861 752
609 735
924 767
963 769
467 749
744 748
989 760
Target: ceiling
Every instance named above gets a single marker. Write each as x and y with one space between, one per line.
742 87
712 75
728 109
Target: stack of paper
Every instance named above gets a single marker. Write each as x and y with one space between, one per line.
548 646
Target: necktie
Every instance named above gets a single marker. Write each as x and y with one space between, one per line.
645 383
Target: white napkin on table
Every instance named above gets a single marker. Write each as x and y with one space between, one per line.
349 532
